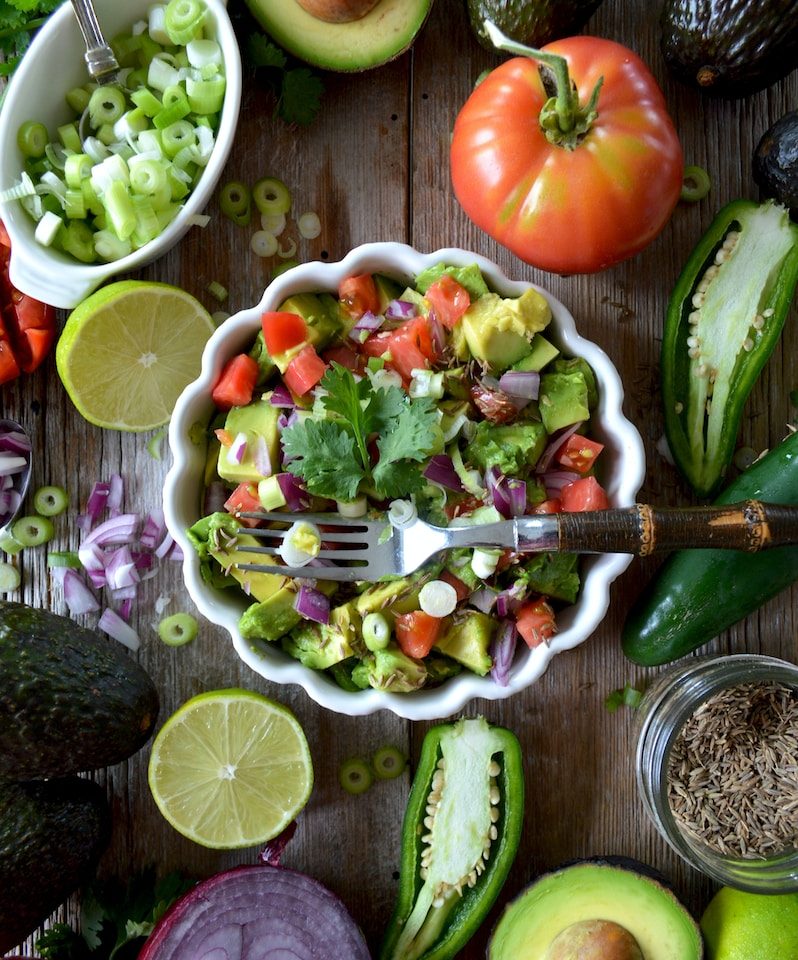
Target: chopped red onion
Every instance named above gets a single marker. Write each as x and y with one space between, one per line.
165 546
125 608
312 604
367 323
12 463
297 498
15 442
502 652
120 569
555 480
275 912
119 529
440 470
484 599
237 449
116 491
284 422
507 494
77 596
524 384
260 456
556 440
176 553
400 310
112 624
509 600
281 397
98 498
153 530
123 593
437 333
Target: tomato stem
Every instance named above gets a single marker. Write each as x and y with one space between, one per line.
563 119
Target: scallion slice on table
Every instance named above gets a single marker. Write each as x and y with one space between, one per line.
271 196
235 201
355 776
32 531
388 762
50 501
178 629
9 578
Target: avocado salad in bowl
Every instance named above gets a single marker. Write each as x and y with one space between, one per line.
390 382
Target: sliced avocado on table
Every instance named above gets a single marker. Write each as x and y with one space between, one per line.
52 834
382 34
608 909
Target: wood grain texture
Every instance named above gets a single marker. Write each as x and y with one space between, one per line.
375 167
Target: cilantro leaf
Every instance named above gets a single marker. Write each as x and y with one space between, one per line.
263 53
326 458
300 96
408 440
61 942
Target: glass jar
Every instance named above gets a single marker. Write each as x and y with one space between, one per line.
666 706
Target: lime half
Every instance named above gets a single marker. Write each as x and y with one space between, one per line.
127 352
230 769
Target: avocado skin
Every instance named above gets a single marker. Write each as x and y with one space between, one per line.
51 837
775 166
730 48
532 23
70 699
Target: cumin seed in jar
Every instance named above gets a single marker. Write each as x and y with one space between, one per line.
733 771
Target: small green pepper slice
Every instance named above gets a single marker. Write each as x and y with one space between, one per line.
724 318
460 835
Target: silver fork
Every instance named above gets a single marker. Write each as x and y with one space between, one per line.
359 549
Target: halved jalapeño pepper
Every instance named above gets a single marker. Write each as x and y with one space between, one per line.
724 318
459 838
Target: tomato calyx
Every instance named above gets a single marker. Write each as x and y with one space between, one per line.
563 119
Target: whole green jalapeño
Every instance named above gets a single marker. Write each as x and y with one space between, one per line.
724 318
460 835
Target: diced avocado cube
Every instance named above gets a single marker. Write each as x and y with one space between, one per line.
458 563
563 400
513 448
256 419
395 596
581 365
467 640
387 290
543 352
266 366
321 645
261 586
391 670
440 668
499 331
469 277
321 313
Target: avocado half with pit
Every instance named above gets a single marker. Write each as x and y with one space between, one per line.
381 34
596 910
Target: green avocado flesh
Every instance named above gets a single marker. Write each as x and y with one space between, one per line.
382 34
661 926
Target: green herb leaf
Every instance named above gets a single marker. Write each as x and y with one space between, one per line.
61 942
300 96
327 460
263 53
629 696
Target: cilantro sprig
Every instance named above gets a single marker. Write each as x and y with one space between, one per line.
332 455
297 90
18 20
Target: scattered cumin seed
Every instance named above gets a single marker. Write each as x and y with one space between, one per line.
732 773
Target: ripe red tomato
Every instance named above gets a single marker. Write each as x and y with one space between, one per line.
416 633
409 345
584 494
449 299
578 453
579 207
535 622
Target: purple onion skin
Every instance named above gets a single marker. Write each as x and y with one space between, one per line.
254 913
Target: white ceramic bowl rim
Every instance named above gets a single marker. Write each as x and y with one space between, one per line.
182 496
57 51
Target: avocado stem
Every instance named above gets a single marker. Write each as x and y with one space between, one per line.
563 120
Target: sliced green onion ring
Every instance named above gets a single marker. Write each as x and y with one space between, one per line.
32 531
50 501
355 776
287 251
32 138
178 629
263 244
235 202
376 631
271 196
309 225
695 184
9 577
388 762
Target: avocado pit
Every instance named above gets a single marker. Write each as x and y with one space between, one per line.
338 11
594 940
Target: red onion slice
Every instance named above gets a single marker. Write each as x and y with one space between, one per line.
400 310
257 913
440 470
503 651
297 498
281 397
312 604
555 442
524 384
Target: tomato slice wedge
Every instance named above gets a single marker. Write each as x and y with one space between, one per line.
535 622
584 494
236 383
304 371
578 453
283 331
449 299
409 347
358 295
416 633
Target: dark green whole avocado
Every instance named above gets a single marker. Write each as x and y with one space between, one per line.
598 909
775 166
730 48
532 22
51 837
70 699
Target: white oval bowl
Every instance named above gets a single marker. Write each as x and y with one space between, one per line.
622 476
52 65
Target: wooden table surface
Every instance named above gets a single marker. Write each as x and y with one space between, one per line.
375 166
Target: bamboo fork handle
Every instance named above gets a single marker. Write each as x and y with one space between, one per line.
643 529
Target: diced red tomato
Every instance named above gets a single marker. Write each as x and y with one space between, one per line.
304 371
409 345
535 622
465 505
5 240
462 590
236 383
584 494
417 632
345 356
9 368
578 453
449 299
358 295
548 506
244 499
33 346
283 331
